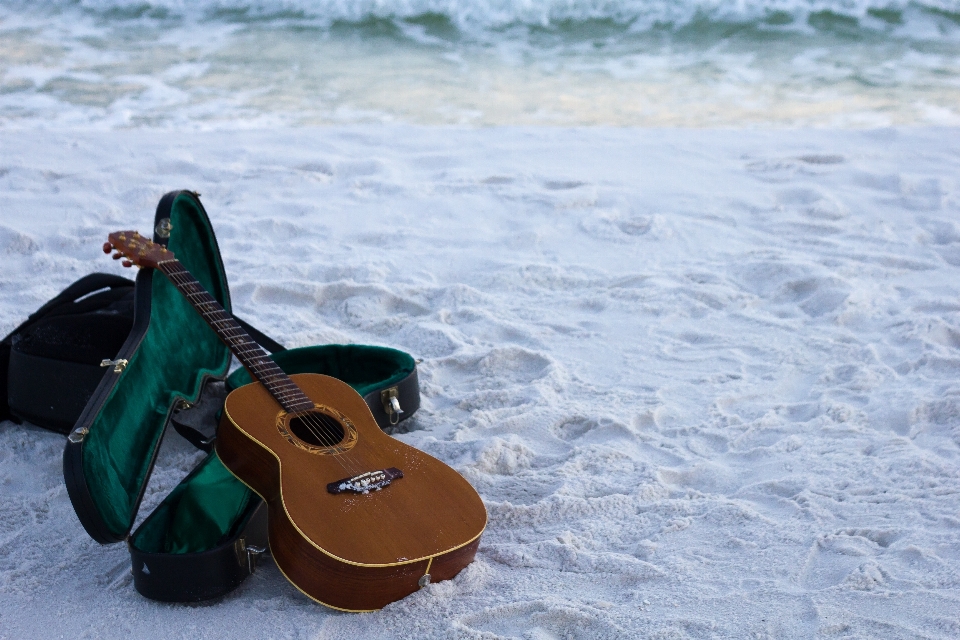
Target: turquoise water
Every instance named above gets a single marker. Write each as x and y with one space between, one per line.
681 63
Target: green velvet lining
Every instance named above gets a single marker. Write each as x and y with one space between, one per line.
177 352
202 512
362 367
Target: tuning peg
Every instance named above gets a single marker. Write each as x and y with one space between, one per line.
107 247
127 263
116 256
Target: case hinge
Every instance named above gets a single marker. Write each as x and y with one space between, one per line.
118 365
391 404
163 228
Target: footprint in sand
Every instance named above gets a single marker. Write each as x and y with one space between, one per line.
794 284
849 557
541 620
811 202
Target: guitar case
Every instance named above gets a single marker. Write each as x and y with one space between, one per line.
206 535
50 364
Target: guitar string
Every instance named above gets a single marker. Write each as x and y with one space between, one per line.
323 431
246 349
182 279
237 340
317 422
228 338
187 279
325 434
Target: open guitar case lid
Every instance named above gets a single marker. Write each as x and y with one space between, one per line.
205 536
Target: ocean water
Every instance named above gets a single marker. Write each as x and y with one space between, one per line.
692 63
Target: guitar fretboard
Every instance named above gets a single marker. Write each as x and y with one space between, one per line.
250 354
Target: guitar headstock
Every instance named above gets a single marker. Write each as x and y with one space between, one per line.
137 249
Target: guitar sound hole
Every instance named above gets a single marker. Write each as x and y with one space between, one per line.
317 429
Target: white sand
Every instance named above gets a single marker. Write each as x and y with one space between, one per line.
705 381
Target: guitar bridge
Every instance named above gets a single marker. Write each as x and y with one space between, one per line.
366 482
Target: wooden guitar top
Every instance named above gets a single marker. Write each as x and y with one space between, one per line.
431 510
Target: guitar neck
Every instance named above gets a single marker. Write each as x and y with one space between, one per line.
250 354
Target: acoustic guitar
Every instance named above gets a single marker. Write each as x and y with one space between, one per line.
357 519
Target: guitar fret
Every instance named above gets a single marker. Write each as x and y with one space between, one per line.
280 391
281 386
272 368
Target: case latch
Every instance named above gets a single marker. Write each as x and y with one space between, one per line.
391 404
247 554
118 365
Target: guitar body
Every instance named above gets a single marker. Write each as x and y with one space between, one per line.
349 550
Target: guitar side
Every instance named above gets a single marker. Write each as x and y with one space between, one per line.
355 552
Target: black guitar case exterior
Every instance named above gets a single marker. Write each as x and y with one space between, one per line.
50 364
